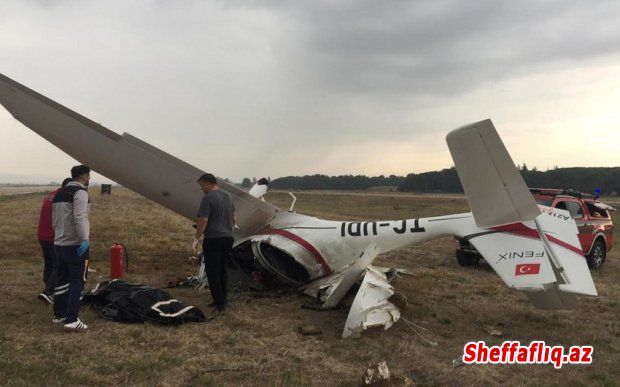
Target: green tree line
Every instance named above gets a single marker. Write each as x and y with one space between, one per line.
582 179
446 181
344 182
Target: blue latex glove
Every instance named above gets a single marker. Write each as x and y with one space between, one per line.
82 249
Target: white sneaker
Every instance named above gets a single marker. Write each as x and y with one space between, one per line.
77 325
57 320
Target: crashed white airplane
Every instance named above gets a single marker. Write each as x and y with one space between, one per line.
534 249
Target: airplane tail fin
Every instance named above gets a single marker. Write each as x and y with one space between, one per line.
532 249
496 192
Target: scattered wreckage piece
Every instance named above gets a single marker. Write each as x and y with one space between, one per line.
458 362
309 330
491 330
378 373
371 306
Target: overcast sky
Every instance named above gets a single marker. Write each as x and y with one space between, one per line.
277 88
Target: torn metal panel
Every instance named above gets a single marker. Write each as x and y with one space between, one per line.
390 270
377 374
352 274
371 306
331 290
316 289
393 272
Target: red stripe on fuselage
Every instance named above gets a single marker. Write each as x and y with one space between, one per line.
303 243
523 230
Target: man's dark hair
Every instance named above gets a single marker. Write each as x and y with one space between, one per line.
79 170
207 178
66 181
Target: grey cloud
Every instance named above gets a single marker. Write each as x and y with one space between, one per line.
447 47
292 80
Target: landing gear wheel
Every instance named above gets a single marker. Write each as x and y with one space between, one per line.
596 257
465 259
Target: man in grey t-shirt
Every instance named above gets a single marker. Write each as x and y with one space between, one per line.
216 221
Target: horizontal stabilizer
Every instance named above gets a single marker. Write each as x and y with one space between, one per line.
542 258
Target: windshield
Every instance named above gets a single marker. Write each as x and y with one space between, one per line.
544 201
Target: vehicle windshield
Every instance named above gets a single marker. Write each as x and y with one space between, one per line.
544 201
575 210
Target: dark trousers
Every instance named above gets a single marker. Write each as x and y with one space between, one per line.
72 274
50 271
216 252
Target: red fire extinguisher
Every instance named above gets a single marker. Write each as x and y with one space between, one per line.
119 261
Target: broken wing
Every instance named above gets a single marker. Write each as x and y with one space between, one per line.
125 159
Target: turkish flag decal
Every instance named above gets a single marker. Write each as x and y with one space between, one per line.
528 268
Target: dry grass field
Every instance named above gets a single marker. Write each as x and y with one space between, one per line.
23 189
256 342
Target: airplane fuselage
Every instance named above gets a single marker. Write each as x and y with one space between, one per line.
322 247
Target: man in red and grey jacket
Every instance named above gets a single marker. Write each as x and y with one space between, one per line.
71 234
45 234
